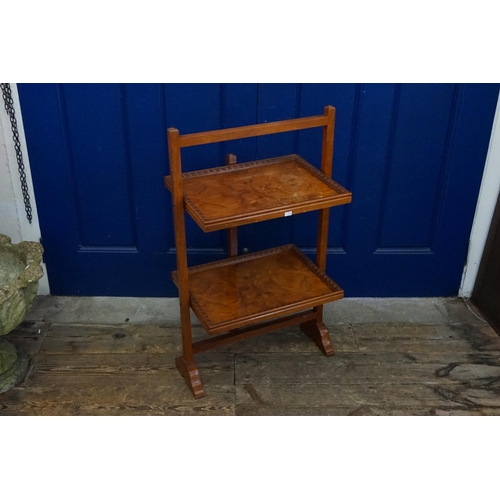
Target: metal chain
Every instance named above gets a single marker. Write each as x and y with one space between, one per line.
9 106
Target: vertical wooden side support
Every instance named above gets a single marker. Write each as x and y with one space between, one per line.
326 168
232 241
185 363
317 329
232 232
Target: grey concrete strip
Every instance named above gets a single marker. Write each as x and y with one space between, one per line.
384 310
106 310
165 311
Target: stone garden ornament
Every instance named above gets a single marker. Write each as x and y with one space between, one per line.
20 271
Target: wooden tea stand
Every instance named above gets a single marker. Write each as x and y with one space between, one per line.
243 296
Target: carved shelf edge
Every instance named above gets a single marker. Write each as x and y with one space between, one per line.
335 292
340 195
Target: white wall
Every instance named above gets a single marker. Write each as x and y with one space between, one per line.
9 221
13 220
486 203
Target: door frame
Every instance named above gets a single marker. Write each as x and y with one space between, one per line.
486 202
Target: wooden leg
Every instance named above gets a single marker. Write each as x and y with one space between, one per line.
185 363
316 329
191 374
319 333
232 242
232 232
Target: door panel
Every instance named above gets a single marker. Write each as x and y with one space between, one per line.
416 158
101 181
412 155
347 99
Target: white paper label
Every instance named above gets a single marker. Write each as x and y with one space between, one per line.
287 214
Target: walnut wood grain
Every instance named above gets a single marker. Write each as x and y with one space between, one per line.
245 290
244 193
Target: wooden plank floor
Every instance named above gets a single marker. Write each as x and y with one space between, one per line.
378 369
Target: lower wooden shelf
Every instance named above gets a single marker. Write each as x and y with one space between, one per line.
245 290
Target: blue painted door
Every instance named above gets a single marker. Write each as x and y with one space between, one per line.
412 155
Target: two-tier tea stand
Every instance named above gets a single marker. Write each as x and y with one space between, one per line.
243 296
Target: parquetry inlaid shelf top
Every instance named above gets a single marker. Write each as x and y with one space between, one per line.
243 290
239 194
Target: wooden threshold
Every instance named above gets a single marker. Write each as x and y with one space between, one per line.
243 193
245 290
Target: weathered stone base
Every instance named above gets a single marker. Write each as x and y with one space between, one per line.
13 366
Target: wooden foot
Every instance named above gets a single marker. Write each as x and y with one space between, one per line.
319 333
191 375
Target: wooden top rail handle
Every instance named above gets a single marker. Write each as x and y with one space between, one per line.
229 134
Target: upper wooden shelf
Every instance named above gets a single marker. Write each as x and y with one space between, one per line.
243 193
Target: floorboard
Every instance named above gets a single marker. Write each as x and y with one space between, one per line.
379 369
51 400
